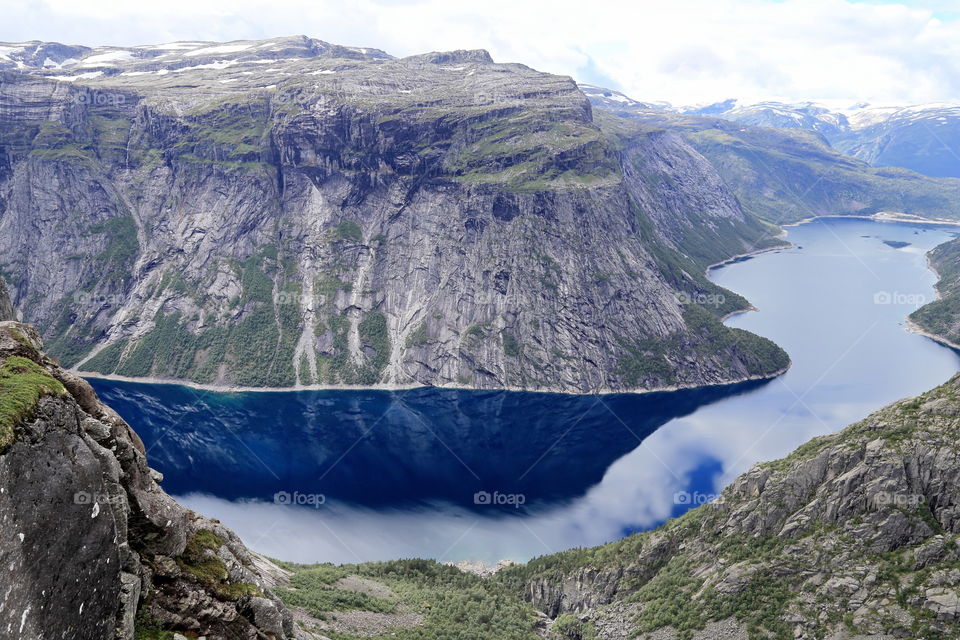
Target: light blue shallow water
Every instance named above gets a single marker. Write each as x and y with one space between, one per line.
385 475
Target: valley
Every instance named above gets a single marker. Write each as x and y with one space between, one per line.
309 341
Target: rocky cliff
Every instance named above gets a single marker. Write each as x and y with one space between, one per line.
854 535
291 212
92 546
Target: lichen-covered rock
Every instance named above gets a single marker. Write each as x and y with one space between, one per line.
92 548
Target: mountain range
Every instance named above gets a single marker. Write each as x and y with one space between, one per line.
288 212
923 138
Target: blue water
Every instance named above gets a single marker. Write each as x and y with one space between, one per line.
481 475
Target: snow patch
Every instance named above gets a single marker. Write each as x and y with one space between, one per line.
83 76
226 48
110 56
219 64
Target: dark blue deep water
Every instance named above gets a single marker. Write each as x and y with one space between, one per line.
359 475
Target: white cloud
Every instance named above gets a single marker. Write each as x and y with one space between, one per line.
691 51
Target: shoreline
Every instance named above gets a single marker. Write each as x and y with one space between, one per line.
217 388
913 327
396 387
882 216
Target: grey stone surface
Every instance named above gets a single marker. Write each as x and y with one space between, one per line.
90 540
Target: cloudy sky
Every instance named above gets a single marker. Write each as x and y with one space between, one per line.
682 51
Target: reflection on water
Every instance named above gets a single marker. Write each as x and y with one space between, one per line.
416 473
403 448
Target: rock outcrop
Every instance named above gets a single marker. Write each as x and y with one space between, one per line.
92 547
291 212
853 535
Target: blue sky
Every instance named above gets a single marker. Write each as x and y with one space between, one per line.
682 51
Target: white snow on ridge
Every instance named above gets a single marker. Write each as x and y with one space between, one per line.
226 48
109 56
219 64
175 46
83 76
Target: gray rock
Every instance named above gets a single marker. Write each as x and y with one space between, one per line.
91 541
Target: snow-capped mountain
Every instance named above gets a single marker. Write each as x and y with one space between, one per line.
613 100
924 138
805 115
66 62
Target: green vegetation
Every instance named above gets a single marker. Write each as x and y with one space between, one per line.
453 604
22 383
55 142
530 150
200 561
312 588
570 627
373 333
942 316
147 628
114 262
231 132
511 346
418 337
651 362
349 230
258 348
107 359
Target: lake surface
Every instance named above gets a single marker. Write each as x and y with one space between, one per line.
348 476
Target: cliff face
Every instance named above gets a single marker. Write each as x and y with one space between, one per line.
291 213
92 546
853 534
